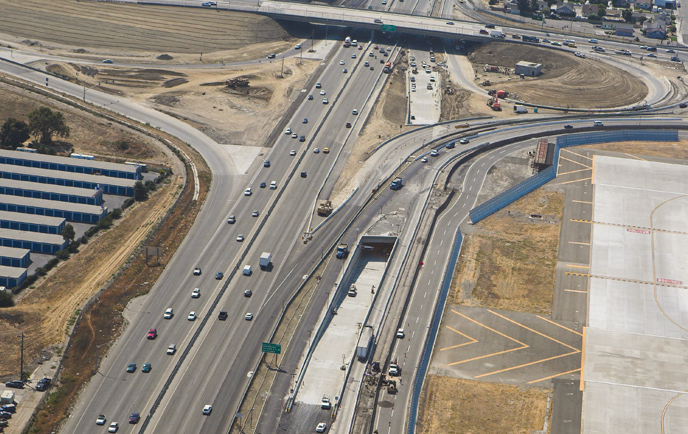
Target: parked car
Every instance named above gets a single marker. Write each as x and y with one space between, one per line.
43 384
15 384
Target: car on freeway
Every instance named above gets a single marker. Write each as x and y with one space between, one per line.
43 384
134 418
292 152
597 124
489 26
248 192
310 97
515 36
248 293
348 125
372 68
263 184
592 41
304 174
556 44
652 55
366 64
322 426
304 121
360 47
153 333
273 185
15 384
231 220
434 153
354 112
298 47
207 4
294 136
196 293
341 62
353 56
568 126
240 237
546 41
192 316
371 54
222 315
464 141
169 313
450 23
266 163
272 56
108 61
643 47
254 213
131 367
424 160
219 275
197 271
670 50
287 131
248 316
318 85
400 334
345 71
302 139
483 32
683 105
322 92
207 409
114 426
101 419
316 150
146 367
171 349
325 101
326 150
675 59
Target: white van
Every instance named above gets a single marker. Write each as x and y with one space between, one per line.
247 270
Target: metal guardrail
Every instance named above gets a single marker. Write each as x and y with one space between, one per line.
511 195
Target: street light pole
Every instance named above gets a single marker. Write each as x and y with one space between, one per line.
21 359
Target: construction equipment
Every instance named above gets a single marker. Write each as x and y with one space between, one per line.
325 208
494 103
392 387
486 83
237 82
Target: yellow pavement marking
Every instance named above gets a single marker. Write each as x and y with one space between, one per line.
459 345
620 279
581 386
555 375
581 201
575 180
574 153
532 330
666 407
577 266
592 176
578 242
574 162
633 156
572 171
559 325
528 364
488 355
576 290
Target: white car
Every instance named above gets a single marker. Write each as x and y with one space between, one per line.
322 92
207 409
101 419
196 293
240 238
248 192
192 316
287 131
321 426
197 271
400 334
316 150
114 426
248 317
434 153
294 135
273 185
463 141
169 313
231 220
292 152
341 62
171 349
255 214
354 112
325 101
353 56
298 47
424 160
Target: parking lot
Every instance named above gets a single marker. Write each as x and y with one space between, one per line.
423 86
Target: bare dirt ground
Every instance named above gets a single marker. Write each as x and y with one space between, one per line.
242 116
650 149
509 260
94 30
466 406
567 81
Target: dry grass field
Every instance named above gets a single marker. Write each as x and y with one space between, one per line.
567 81
131 30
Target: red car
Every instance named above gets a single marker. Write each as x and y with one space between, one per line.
152 334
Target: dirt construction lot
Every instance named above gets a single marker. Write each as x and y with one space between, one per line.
99 29
567 81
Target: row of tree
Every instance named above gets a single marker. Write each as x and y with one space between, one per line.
43 124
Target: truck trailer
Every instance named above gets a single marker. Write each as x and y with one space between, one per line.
342 251
396 184
365 341
265 259
497 34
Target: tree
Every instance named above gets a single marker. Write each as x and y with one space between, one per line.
68 233
6 299
13 133
44 122
534 5
140 192
628 16
524 5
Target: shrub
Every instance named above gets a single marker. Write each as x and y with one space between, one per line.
62 255
116 213
7 298
127 203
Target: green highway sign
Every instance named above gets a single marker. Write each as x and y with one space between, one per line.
271 348
389 28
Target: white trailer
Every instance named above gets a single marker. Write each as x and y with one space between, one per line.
265 260
364 343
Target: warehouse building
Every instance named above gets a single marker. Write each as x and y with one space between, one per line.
34 241
75 165
74 212
12 257
121 187
37 190
33 223
529 69
11 276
